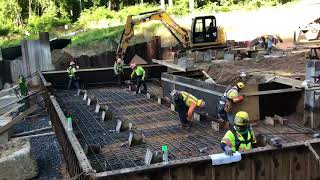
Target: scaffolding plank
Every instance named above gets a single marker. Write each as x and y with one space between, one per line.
18 118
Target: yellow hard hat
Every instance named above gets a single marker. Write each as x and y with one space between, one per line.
240 85
241 118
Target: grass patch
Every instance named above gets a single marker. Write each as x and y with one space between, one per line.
97 35
9 43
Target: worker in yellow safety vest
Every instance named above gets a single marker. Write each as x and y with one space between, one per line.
140 74
240 137
230 96
118 71
73 79
185 104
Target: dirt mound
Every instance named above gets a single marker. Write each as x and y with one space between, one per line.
227 72
61 59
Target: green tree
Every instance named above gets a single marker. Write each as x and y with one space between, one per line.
10 12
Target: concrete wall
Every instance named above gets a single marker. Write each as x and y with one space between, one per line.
101 76
36 56
209 92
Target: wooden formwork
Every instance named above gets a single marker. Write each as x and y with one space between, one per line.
297 160
293 162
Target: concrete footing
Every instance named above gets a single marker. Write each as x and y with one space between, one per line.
17 161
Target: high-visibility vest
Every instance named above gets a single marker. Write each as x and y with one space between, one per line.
71 71
232 93
139 71
235 140
189 98
118 67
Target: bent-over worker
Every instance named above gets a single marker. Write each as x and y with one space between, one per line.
240 137
185 104
73 79
230 96
140 74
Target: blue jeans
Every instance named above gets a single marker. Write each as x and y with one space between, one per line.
73 81
222 114
139 83
182 109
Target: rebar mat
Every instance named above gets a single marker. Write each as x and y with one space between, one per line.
157 123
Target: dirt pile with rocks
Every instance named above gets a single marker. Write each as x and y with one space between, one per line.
227 72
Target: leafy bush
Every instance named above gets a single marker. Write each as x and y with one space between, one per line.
135 10
4 31
181 7
95 14
47 21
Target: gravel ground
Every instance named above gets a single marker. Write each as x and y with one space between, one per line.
49 156
31 124
46 148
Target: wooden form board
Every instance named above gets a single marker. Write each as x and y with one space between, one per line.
250 104
293 163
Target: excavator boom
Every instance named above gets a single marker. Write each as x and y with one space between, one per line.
176 30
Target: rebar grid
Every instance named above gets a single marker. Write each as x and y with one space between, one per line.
158 123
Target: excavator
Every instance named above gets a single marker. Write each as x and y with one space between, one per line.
204 32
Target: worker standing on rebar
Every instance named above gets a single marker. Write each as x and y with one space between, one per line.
118 71
240 137
73 79
185 104
140 74
230 96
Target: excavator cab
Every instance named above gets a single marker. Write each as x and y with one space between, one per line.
204 30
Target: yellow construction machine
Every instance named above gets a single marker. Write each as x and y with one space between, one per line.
204 32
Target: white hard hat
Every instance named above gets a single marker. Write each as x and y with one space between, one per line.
243 74
72 63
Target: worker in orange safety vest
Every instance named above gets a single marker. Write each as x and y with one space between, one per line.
185 104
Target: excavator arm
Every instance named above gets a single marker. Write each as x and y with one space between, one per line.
177 31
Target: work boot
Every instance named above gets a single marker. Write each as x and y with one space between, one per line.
184 125
190 124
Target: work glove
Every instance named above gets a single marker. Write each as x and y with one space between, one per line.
238 99
228 151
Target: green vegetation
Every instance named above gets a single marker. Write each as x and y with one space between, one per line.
97 35
23 19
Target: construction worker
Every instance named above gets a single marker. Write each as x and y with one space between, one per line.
185 104
269 45
240 137
140 74
118 71
230 97
22 85
73 79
